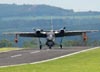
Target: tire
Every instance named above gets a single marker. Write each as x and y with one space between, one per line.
40 47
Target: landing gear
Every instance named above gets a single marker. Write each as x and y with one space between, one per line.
40 47
61 42
40 44
61 46
50 47
50 44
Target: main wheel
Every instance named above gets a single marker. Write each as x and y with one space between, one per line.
40 47
61 46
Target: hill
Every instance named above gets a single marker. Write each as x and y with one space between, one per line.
12 10
8 10
25 17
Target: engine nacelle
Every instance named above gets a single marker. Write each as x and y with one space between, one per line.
62 32
38 32
84 37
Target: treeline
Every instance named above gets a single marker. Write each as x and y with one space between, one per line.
6 43
33 43
81 43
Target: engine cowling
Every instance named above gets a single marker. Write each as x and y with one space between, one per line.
38 32
62 32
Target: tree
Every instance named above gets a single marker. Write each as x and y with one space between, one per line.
30 44
5 43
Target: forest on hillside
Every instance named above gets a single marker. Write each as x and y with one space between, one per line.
15 18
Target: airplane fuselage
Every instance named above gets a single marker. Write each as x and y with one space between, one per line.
50 39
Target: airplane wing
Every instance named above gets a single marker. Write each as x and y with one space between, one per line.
72 33
43 34
28 34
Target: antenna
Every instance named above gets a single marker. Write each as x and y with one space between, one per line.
51 24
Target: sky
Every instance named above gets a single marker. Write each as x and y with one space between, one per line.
76 5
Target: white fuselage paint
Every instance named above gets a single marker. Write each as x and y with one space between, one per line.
50 39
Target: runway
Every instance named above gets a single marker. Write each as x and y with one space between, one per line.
34 55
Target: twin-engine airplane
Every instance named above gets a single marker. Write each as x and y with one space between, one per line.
51 35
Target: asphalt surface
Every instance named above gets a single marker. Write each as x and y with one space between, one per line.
34 55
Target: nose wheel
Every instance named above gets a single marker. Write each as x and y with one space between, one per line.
50 47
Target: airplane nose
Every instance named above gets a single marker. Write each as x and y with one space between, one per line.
49 43
49 38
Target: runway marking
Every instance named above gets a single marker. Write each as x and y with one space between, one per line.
34 52
53 58
63 56
16 55
47 49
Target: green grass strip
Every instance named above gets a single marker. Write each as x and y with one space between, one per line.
83 62
7 49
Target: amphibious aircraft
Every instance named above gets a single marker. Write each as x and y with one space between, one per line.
51 35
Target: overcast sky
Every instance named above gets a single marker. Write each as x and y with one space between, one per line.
77 5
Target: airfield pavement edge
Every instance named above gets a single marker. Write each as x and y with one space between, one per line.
70 54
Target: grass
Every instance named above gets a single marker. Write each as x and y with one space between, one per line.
7 49
84 62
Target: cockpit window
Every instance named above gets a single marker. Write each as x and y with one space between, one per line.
50 36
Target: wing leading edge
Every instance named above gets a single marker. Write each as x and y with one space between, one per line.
73 33
57 33
27 34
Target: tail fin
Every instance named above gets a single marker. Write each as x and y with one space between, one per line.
51 24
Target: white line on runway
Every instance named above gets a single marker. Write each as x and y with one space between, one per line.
16 55
53 58
48 49
34 52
